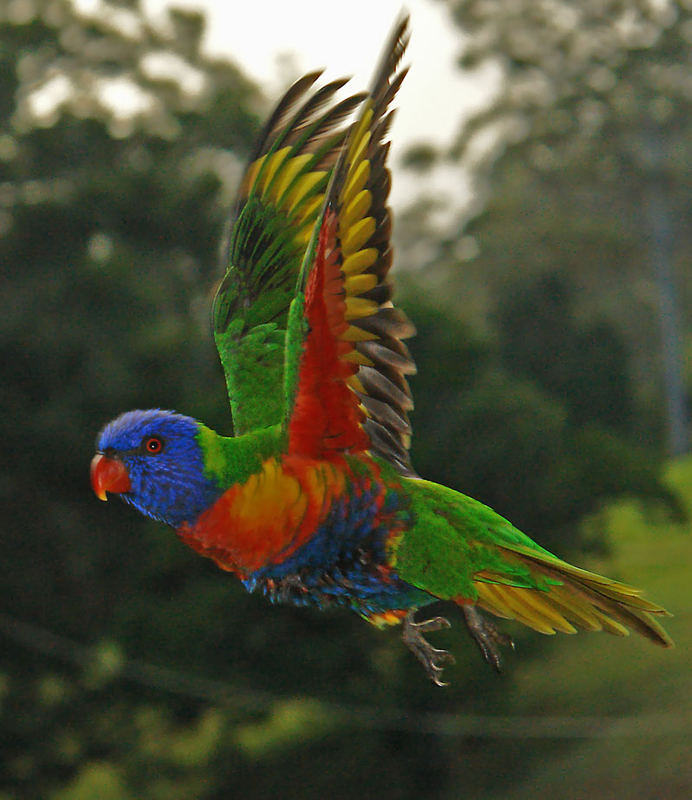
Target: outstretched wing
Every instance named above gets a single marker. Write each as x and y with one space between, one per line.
280 200
346 363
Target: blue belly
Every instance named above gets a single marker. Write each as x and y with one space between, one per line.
341 564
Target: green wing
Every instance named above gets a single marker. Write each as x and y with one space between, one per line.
279 201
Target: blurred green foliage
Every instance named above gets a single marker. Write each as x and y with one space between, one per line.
581 168
131 668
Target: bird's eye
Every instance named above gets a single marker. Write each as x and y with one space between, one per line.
153 445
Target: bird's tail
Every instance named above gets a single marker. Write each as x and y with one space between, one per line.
572 598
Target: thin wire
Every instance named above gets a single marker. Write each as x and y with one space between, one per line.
240 698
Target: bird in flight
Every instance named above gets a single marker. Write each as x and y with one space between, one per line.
314 500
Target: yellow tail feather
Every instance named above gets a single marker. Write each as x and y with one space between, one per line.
578 598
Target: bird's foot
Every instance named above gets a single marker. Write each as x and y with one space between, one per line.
430 657
486 636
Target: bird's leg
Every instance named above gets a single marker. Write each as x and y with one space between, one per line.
430 657
288 588
486 636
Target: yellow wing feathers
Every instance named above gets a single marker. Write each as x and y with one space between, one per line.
297 150
289 184
359 194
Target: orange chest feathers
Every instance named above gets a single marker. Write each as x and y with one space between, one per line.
267 518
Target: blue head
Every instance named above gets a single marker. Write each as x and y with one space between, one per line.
154 461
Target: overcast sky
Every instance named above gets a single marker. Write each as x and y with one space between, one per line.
346 39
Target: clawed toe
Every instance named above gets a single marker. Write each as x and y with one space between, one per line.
431 658
436 664
484 633
429 625
487 637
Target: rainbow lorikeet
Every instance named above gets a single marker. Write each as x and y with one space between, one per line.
314 500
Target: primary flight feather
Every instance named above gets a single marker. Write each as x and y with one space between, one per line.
314 500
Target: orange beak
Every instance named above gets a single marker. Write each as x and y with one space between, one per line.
108 475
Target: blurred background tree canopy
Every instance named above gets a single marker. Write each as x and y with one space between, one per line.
554 321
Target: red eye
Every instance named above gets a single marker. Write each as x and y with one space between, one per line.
153 445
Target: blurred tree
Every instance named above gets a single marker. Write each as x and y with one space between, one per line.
584 366
529 432
119 145
104 155
584 149
113 132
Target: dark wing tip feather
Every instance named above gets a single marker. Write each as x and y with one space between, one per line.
393 52
283 108
380 381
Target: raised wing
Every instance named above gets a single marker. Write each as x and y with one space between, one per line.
280 200
346 363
